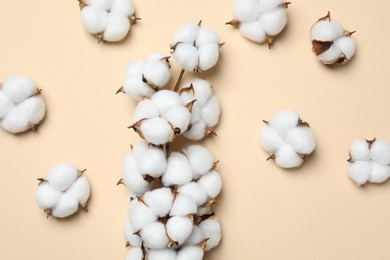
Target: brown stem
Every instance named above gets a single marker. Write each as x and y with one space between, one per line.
179 80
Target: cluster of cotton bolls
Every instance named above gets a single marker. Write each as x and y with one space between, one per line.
172 192
260 20
21 105
108 20
331 43
287 138
369 161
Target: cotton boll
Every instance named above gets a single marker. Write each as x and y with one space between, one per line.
379 173
166 99
200 159
135 253
197 131
154 236
62 175
270 140
253 31
187 33
183 205
208 55
145 109
196 191
346 45
136 88
360 171
195 238
211 112
360 150
178 171
162 254
301 140
6 105
153 162
157 131
211 229
124 6
212 183
246 11
206 36
190 253
133 239
331 55
47 196
269 5
94 20
187 56
18 88
380 152
273 22
202 90
80 190
66 206
323 31
286 157
179 117
179 228
141 215
157 72
159 201
118 26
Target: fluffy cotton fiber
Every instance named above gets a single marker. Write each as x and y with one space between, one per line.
21 105
63 191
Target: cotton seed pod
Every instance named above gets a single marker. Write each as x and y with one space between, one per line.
144 77
369 161
141 165
21 106
195 48
205 111
108 20
161 118
260 20
287 138
63 191
331 43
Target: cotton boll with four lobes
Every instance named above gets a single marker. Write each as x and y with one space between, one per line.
260 20
21 106
331 43
63 191
211 230
195 48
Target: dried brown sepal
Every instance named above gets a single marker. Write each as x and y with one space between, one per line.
215 164
150 84
134 19
285 4
173 47
203 244
342 59
136 127
81 4
303 123
348 33
326 17
81 172
138 233
210 202
37 92
190 105
141 199
198 70
210 131
172 243
370 142
148 178
120 90
174 133
220 45
350 159
83 207
303 156
265 122
33 127
321 47
166 59
188 89
48 212
99 36
127 244
41 180
271 157
270 41
200 219
200 23
235 23
120 182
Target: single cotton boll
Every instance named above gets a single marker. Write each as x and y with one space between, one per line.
196 191
273 22
179 229
187 33
253 31
141 215
118 26
124 6
80 190
246 11
159 201
18 88
270 140
206 36
200 159
208 55
379 173
166 99
323 31
269 5
195 238
135 253
211 112
47 196
190 253
6 105
162 254
183 205
145 109
178 171
346 45
301 140
187 56
157 72
212 183
360 150
286 157
153 162
197 131
179 117
136 88
94 20
380 152
133 239
156 131
66 206
360 171
154 236
331 55
283 121
62 175
211 229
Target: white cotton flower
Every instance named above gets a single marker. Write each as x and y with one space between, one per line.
21 105
287 138
190 253
260 20
62 191
144 77
195 48
206 110
331 43
141 165
211 230
369 161
108 20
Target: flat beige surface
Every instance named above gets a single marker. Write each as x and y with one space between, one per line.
315 212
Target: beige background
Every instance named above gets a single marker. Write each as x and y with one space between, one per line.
315 212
